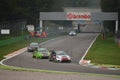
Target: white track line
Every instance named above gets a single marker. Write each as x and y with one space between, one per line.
15 54
88 50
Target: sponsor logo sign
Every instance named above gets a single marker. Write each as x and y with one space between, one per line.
5 31
30 27
78 16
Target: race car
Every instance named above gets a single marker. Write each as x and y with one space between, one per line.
59 56
32 46
72 33
41 53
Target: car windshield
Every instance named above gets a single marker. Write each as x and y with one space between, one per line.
34 44
42 50
72 32
61 53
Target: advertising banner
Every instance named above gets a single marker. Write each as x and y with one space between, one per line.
78 16
5 31
30 27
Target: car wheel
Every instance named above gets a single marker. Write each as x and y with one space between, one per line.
28 50
69 61
55 60
50 59
59 61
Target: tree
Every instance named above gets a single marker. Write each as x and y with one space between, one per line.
110 6
29 9
23 9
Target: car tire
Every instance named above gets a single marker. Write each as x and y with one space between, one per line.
55 60
28 50
50 59
59 61
70 61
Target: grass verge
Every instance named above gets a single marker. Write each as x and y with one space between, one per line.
3 67
4 50
104 52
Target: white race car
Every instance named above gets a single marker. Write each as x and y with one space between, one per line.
59 56
32 46
72 33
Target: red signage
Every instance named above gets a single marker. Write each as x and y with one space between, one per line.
78 16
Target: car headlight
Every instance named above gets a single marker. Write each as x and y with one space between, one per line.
74 33
58 58
69 57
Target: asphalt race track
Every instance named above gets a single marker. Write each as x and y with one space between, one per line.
75 46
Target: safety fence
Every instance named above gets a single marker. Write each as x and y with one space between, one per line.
11 40
16 27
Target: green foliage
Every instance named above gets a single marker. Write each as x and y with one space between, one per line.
110 6
29 9
58 5
110 25
23 9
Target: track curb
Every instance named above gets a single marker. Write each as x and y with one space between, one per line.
101 66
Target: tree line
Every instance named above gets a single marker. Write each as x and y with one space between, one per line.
23 9
29 9
110 6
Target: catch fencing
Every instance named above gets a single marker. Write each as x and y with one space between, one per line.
16 27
